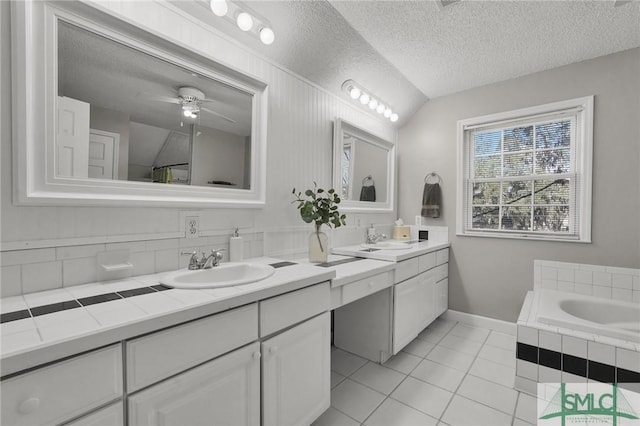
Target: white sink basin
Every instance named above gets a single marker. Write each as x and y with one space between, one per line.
388 245
225 275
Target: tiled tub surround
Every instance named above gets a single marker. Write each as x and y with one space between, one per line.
44 338
552 354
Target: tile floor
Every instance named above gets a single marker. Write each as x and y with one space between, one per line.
452 374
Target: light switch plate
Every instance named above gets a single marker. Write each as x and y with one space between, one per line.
192 227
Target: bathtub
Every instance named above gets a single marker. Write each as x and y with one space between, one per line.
605 317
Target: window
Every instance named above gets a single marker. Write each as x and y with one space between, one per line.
527 173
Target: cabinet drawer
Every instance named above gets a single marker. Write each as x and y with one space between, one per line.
442 256
407 269
159 355
427 261
113 415
291 308
441 272
64 390
366 286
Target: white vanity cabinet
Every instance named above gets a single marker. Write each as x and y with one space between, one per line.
381 324
225 391
296 352
64 390
112 415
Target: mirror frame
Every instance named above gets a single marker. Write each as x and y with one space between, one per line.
341 127
34 86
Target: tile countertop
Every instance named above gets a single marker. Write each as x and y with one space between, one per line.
415 249
349 269
40 339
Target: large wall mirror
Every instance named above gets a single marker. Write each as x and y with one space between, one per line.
363 169
117 115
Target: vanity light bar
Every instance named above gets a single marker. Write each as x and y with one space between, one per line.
358 93
245 19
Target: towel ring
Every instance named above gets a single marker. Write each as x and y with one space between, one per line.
373 182
429 178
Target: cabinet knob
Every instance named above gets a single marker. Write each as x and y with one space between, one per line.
273 349
256 355
29 405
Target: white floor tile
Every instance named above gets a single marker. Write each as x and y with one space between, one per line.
454 359
432 336
501 340
527 408
464 412
345 363
498 355
442 325
468 332
493 372
377 377
355 400
418 348
336 379
438 374
422 396
333 417
403 362
393 413
488 393
467 346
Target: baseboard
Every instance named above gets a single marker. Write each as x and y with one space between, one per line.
480 321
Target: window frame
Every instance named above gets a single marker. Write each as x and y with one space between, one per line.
582 109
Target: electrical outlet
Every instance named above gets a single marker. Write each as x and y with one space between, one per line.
192 227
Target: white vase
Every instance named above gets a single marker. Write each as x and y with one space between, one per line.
318 247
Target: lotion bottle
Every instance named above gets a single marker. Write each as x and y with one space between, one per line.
235 247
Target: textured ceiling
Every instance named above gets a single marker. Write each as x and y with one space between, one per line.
406 52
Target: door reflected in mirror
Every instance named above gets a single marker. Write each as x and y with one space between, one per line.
124 114
364 167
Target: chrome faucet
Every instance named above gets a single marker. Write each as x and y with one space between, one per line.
374 238
206 262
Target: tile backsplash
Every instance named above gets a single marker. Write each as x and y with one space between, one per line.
594 280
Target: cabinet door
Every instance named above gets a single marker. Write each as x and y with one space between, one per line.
296 373
442 296
413 309
225 391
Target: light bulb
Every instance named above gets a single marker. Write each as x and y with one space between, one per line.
219 7
373 103
380 108
388 112
364 99
394 117
244 21
267 36
354 92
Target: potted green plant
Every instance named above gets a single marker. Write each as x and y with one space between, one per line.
319 207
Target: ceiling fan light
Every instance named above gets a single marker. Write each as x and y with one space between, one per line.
219 7
267 36
244 21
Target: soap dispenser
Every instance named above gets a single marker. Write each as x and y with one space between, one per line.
235 247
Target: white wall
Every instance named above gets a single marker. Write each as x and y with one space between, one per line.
491 276
218 155
300 128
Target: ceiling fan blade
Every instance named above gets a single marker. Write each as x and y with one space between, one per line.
158 98
224 117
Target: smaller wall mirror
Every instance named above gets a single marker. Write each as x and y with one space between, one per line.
364 169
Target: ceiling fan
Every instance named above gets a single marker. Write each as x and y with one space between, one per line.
191 100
